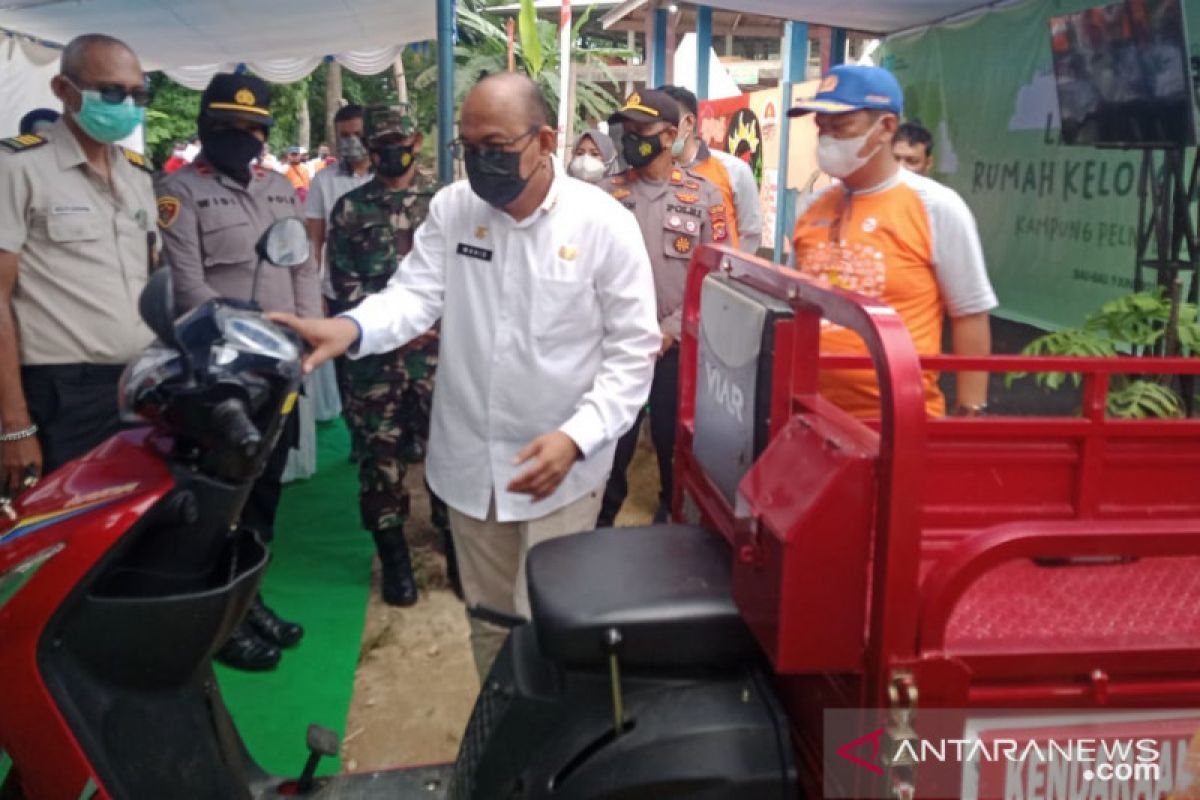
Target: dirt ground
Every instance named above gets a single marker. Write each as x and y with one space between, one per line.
416 682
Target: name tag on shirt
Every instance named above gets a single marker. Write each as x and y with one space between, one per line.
470 251
59 210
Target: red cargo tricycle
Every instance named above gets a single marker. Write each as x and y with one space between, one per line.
999 607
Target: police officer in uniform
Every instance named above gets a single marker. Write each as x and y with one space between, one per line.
387 396
76 232
677 211
211 213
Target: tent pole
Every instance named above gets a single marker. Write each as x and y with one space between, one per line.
445 73
794 67
703 47
837 47
658 56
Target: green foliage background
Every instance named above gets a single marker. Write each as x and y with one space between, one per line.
481 49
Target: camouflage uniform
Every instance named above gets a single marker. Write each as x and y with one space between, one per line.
387 396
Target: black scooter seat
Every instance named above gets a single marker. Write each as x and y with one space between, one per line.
664 588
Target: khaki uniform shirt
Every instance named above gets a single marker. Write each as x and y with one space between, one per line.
83 254
676 216
210 224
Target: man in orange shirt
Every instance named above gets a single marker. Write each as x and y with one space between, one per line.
693 155
296 172
890 234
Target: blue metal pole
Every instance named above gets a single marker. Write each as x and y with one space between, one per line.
703 46
659 54
445 94
795 64
837 46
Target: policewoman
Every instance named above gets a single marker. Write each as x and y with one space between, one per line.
211 213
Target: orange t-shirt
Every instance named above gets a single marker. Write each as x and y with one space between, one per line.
708 167
911 243
299 177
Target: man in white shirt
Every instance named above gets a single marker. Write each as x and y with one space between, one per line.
352 170
549 333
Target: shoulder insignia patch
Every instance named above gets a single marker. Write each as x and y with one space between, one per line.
26 141
168 210
691 184
719 232
677 176
137 159
717 211
621 194
687 197
682 244
617 180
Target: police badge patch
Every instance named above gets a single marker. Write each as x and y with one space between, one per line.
168 210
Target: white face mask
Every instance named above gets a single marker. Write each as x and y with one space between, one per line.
840 158
587 168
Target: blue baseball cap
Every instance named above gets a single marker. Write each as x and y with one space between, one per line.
852 87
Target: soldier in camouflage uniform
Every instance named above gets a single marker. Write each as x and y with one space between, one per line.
387 396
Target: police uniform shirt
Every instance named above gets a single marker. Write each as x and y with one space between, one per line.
82 249
675 216
210 224
547 323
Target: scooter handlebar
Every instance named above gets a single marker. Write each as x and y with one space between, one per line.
234 425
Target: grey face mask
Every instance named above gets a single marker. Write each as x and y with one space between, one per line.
351 148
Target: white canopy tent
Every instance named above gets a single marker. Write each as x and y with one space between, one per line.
720 82
869 16
281 40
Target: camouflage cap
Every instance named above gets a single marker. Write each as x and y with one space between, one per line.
389 120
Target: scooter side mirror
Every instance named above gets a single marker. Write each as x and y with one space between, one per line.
156 305
285 243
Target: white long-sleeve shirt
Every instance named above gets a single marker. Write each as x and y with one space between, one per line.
547 323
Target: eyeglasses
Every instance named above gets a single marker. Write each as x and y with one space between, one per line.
459 148
115 93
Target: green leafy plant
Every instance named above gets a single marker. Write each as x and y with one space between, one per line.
1147 323
170 117
1139 399
483 49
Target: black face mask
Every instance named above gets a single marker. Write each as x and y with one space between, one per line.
640 150
394 159
495 175
230 151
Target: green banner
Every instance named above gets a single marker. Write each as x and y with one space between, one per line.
1058 223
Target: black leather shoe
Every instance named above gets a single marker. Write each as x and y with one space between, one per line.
245 651
398 584
267 624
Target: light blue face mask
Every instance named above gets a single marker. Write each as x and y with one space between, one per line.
108 122
680 142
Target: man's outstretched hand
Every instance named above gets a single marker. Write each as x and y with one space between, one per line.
553 454
328 338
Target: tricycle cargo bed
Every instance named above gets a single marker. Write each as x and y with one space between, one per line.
993 560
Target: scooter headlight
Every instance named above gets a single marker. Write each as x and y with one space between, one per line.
250 332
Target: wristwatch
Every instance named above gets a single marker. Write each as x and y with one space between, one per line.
977 410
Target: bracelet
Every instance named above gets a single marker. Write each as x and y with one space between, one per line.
17 436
